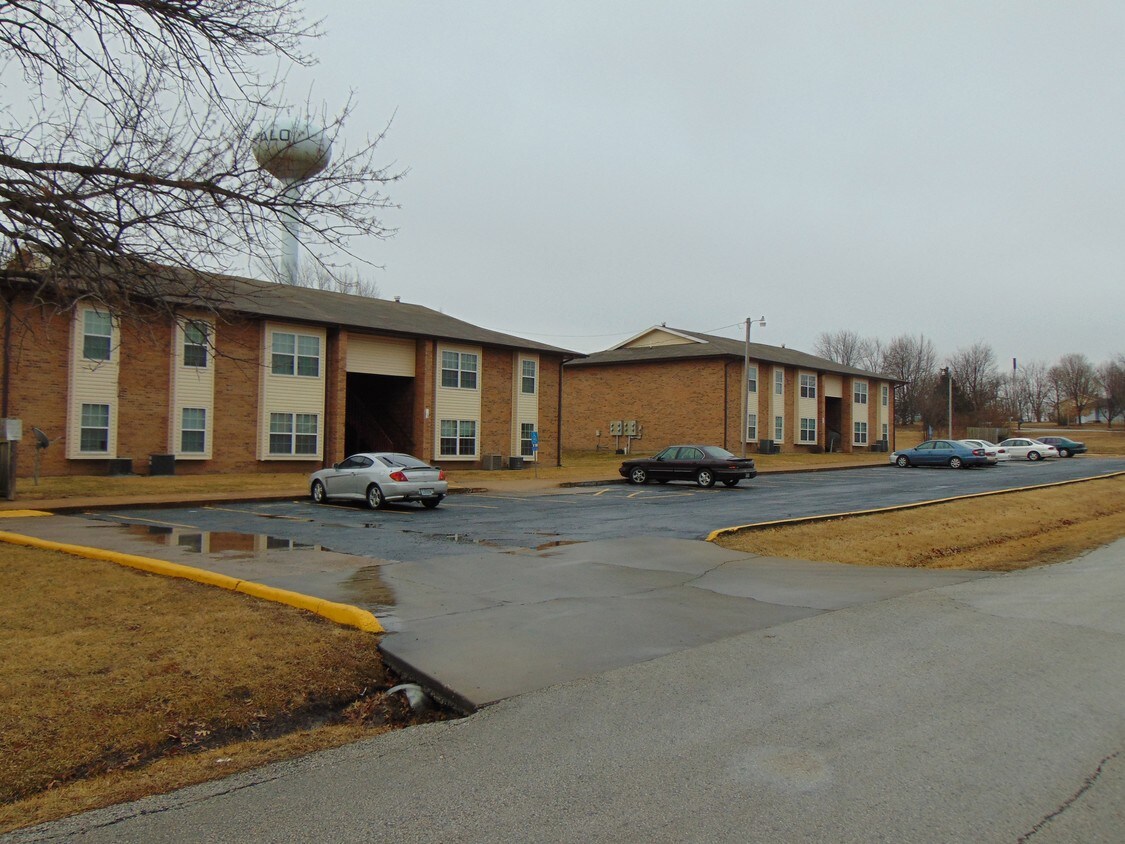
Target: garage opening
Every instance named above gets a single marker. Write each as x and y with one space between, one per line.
379 413
833 424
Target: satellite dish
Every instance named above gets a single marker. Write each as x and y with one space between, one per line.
41 439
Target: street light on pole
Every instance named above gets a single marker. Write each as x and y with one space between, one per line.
746 377
947 371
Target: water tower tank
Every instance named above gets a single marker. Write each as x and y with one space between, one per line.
291 149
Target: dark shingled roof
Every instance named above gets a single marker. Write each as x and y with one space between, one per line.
713 346
305 304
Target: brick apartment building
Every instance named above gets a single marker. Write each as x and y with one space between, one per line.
275 379
682 386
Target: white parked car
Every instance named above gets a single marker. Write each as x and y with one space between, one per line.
1001 452
379 477
990 452
1020 447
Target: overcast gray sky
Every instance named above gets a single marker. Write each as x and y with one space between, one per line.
580 170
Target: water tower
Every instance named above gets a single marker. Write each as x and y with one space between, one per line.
291 150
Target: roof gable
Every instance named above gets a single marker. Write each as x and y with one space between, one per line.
658 335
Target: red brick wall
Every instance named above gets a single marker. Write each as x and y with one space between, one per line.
496 389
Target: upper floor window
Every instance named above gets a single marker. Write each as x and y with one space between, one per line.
459 369
97 335
752 378
195 344
527 377
859 392
296 354
808 386
886 395
779 382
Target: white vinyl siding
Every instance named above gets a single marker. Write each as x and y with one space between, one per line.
860 412
381 355
291 398
806 408
458 364
884 410
92 381
525 404
192 388
777 404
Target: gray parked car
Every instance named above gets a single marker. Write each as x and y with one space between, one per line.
379 477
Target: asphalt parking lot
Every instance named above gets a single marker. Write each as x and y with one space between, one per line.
494 595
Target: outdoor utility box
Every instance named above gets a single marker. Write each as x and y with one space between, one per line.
615 428
768 447
121 465
493 461
162 464
515 462
11 430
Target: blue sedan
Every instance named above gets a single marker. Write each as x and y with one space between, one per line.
951 453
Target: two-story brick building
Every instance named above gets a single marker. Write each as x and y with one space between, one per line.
270 378
682 386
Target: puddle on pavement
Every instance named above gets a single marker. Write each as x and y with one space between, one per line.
228 543
557 543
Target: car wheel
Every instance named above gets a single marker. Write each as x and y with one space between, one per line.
705 478
731 482
375 498
956 463
1064 452
318 494
637 475
430 503
1033 455
903 461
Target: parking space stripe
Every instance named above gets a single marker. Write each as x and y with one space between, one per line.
129 519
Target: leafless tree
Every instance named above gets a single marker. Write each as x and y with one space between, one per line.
912 360
133 154
1076 382
1111 379
974 370
1033 390
842 346
324 276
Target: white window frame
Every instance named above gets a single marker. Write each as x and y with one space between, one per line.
88 334
886 394
859 392
460 370
779 382
185 429
886 433
751 427
276 423
808 386
778 429
84 427
859 433
527 378
296 356
807 432
204 329
526 430
459 438
752 378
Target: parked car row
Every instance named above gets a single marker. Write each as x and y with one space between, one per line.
961 454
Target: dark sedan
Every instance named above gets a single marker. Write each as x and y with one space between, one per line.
1066 446
952 453
701 464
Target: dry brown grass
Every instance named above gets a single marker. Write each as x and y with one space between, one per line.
994 533
119 684
78 486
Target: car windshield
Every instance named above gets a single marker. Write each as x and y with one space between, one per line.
717 453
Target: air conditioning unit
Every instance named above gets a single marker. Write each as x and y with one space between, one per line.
768 447
492 462
121 465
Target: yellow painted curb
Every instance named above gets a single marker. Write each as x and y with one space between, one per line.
17 514
800 520
340 613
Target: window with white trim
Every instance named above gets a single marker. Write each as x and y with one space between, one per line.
779 382
193 430
97 336
886 394
751 427
195 344
294 433
752 378
860 433
808 430
885 432
859 392
528 377
779 428
459 369
94 432
295 354
458 438
526 430
808 386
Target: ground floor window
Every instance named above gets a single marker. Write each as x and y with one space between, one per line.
95 428
193 430
779 429
293 433
808 430
526 446
458 438
751 427
860 433
885 432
